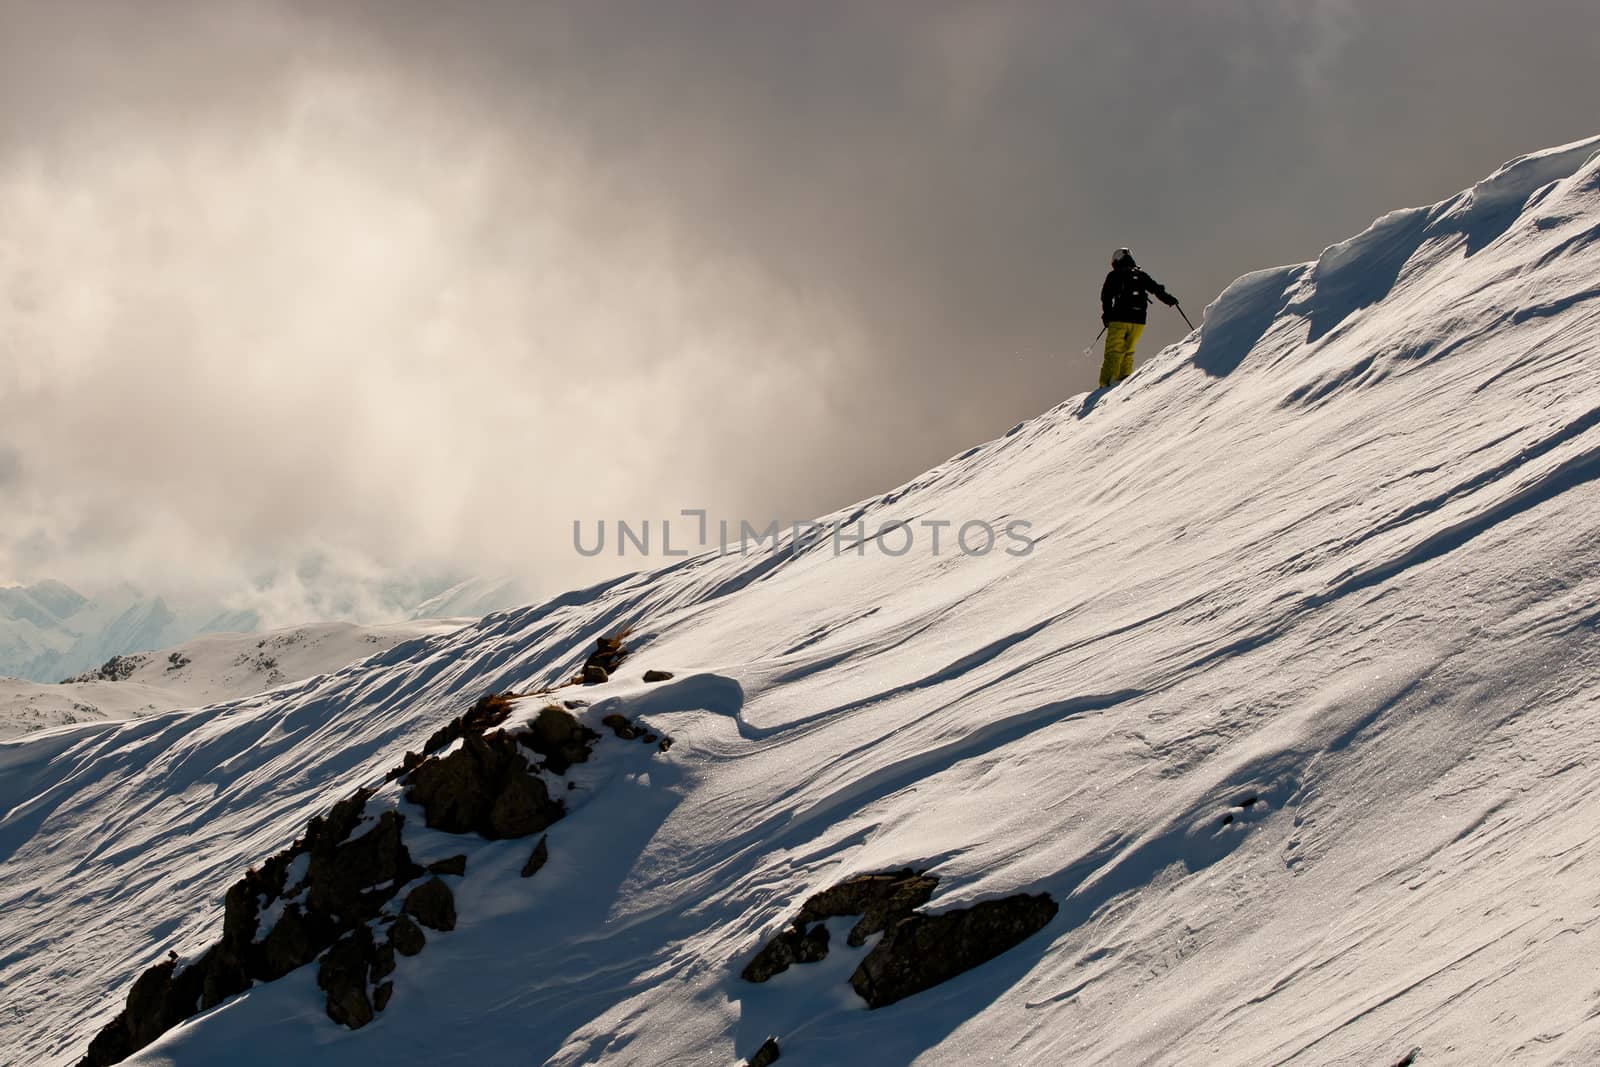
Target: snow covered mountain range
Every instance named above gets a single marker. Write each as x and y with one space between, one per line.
207 669
1289 717
50 631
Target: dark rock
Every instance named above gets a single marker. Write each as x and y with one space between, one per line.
343 976
485 787
338 874
490 711
775 957
649 739
432 904
665 676
240 911
523 807
766 1055
272 881
221 974
456 865
406 936
382 965
341 878
381 995
920 951
594 674
541 854
346 883
148 1013
666 743
620 726
795 944
608 654
560 738
408 763
880 900
813 946
291 943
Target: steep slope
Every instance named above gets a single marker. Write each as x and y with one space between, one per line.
1290 708
204 670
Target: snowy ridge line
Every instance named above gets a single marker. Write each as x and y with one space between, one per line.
1088 722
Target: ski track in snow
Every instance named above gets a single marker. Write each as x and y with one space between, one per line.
1291 710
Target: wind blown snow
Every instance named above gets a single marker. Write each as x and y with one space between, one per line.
1291 708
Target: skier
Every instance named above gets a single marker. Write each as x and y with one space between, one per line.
1123 300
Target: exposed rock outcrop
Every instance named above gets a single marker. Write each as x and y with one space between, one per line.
344 976
880 900
432 904
292 942
381 995
152 1009
324 895
560 738
796 944
406 936
347 880
607 656
541 855
490 711
627 730
766 1055
920 951
484 787
619 725
456 865
354 880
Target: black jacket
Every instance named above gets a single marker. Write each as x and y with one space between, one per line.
1125 296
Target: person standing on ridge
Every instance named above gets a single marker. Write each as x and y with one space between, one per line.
1124 298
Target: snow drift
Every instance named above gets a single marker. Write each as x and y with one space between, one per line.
1291 709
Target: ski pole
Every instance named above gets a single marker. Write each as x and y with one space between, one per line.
1186 321
1089 351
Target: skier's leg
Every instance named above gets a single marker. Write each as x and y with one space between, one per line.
1134 330
1116 342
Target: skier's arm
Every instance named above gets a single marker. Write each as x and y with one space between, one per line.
1107 292
1154 288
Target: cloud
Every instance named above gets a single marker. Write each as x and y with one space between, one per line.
366 331
393 285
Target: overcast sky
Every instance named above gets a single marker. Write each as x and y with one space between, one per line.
416 284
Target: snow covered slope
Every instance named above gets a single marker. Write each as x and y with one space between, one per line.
473 599
1291 708
205 670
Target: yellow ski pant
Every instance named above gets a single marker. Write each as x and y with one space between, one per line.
1121 337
